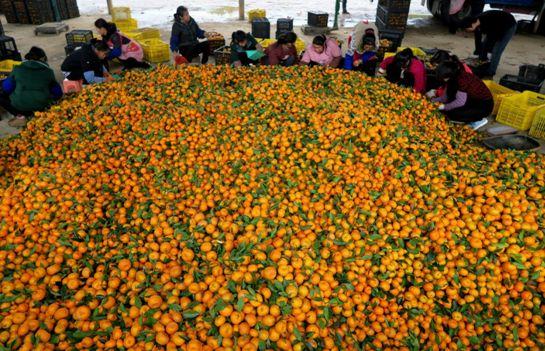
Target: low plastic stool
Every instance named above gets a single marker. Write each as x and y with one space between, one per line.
72 86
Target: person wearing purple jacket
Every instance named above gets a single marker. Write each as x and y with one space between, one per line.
467 99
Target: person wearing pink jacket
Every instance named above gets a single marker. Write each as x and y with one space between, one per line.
323 51
405 70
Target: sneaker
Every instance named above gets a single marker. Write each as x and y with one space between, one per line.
17 122
478 124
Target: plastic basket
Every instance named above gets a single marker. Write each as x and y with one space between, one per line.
300 45
416 51
538 125
155 50
222 56
144 33
256 13
121 13
518 110
127 25
7 65
79 36
498 92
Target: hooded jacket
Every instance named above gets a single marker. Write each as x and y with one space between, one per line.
32 86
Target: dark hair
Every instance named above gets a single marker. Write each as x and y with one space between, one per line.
449 72
467 22
100 45
287 38
239 36
180 12
440 56
101 23
401 61
36 54
110 27
404 57
319 40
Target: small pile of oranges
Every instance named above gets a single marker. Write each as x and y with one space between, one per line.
265 208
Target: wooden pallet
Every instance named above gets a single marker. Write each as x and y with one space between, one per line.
51 28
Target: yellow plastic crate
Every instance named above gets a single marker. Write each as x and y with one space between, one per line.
7 65
144 33
498 92
155 50
127 25
416 52
257 13
518 110
538 125
121 14
299 44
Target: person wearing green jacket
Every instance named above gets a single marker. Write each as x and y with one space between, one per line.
30 87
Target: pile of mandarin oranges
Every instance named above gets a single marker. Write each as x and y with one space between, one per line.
210 208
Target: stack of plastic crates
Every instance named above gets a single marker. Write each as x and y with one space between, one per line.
155 50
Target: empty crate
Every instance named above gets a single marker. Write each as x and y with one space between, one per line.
155 50
121 13
284 25
127 25
261 28
532 73
518 110
8 49
144 33
520 84
255 14
78 37
318 19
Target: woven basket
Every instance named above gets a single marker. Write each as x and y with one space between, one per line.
223 55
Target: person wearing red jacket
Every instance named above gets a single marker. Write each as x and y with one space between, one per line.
405 70
283 51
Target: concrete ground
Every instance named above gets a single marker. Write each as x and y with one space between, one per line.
425 32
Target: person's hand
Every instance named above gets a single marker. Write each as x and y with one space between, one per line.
356 63
381 72
441 107
431 94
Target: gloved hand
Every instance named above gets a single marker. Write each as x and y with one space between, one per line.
431 94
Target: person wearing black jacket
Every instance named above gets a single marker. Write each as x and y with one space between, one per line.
87 64
185 37
498 28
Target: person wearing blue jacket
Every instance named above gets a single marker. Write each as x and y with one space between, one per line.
29 88
184 39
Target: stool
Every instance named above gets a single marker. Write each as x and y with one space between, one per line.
72 86
180 60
